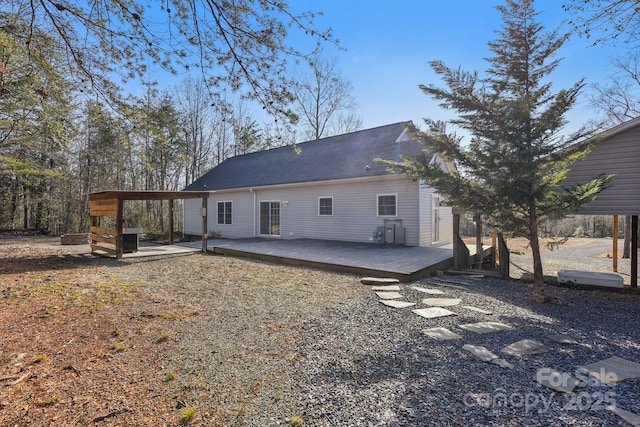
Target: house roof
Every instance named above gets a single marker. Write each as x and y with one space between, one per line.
338 157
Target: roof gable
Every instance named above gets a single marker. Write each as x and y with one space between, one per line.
338 157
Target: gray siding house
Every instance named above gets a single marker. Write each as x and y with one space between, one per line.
617 152
329 189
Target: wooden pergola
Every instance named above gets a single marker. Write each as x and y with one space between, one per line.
110 204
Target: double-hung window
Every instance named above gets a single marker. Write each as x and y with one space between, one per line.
387 205
325 206
224 212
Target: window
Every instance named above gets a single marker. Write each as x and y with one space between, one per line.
386 205
224 212
325 206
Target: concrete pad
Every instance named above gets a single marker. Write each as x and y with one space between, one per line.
555 380
433 312
388 295
396 304
629 417
386 288
480 352
442 334
485 327
502 363
427 291
378 281
479 310
525 347
613 370
562 339
441 302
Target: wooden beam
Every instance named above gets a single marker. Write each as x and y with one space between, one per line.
119 239
456 240
204 223
615 243
634 251
171 213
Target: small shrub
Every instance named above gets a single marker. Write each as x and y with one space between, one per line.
163 337
187 415
118 347
51 401
40 358
296 421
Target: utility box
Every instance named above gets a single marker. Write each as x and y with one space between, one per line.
394 232
610 280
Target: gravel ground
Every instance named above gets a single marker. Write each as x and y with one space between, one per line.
369 365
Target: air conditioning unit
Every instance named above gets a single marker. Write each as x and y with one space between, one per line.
394 232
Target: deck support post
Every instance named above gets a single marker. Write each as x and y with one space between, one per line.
634 251
615 243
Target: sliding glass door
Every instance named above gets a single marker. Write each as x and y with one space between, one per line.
270 218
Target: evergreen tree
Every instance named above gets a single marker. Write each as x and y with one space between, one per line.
513 167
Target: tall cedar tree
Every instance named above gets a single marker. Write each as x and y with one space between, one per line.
512 169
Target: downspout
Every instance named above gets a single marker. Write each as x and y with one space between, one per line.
255 196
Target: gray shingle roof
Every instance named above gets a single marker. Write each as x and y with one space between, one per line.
338 157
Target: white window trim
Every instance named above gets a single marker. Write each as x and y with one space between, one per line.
332 205
378 205
225 213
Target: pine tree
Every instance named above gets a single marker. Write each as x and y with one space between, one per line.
513 167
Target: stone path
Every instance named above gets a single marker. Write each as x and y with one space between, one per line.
608 371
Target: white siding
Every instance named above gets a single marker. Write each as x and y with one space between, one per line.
192 220
619 155
354 210
425 195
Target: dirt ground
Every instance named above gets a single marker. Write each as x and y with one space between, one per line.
90 341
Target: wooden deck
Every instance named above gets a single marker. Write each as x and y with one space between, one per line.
404 263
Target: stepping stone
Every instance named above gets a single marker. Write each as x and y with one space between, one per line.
386 288
396 304
525 347
502 363
562 339
388 295
427 291
378 281
555 380
485 327
613 370
433 312
480 352
479 310
442 334
441 302
629 417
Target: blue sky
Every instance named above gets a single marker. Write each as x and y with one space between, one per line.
389 44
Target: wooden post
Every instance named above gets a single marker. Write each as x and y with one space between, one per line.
456 239
615 243
478 221
496 255
634 251
119 238
203 212
171 209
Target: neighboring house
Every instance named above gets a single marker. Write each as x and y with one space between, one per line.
329 189
616 152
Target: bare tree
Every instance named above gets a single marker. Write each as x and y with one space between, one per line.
321 96
619 99
606 21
